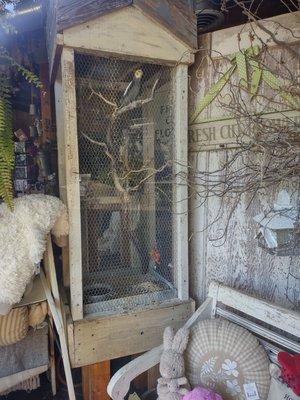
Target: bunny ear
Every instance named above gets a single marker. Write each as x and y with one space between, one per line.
168 337
180 340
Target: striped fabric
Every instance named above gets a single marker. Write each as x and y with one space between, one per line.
13 326
28 385
223 356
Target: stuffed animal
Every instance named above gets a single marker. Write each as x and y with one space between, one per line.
173 384
202 394
290 370
23 240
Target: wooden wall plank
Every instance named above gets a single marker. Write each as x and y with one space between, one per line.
51 29
74 12
237 262
145 39
180 194
72 179
95 378
265 311
61 166
230 40
176 16
106 338
169 14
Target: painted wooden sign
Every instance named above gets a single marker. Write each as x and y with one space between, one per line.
225 133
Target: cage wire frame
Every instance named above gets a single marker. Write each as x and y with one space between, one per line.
128 257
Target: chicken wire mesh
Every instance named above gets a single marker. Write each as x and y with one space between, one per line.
125 141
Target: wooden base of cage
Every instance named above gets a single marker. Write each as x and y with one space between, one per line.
93 340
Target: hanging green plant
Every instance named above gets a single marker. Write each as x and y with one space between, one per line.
6 143
246 61
6 134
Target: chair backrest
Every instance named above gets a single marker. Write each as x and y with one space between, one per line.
240 308
272 324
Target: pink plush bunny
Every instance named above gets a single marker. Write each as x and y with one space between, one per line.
201 394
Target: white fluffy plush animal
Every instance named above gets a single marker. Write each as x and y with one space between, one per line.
23 240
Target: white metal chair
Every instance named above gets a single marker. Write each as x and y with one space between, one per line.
236 307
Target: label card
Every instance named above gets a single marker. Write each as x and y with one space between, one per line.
251 391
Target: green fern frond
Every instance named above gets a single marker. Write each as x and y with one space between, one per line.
28 75
6 134
6 152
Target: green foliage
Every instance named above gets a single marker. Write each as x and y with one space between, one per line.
6 151
6 134
243 62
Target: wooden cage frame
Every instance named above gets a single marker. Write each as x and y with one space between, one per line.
151 38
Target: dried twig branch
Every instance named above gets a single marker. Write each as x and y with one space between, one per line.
114 174
100 95
149 176
136 103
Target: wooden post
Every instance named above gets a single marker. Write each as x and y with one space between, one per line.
95 378
72 179
61 166
180 196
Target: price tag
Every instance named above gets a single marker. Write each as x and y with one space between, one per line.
251 391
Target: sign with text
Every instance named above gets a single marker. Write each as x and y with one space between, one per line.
226 133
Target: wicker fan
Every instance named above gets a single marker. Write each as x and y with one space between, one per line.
224 357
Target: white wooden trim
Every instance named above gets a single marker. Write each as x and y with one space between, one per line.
61 165
180 196
72 180
265 311
139 37
203 312
120 382
58 321
60 137
260 330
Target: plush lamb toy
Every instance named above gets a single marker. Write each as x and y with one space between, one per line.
22 241
173 384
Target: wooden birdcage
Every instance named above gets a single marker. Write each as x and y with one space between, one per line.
121 83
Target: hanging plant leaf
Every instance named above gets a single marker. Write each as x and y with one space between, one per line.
255 78
276 84
6 152
6 134
241 64
213 93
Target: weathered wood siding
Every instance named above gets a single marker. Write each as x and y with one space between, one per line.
175 17
238 262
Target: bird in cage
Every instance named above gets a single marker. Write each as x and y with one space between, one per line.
133 89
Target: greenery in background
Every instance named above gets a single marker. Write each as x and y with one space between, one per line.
6 135
244 62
